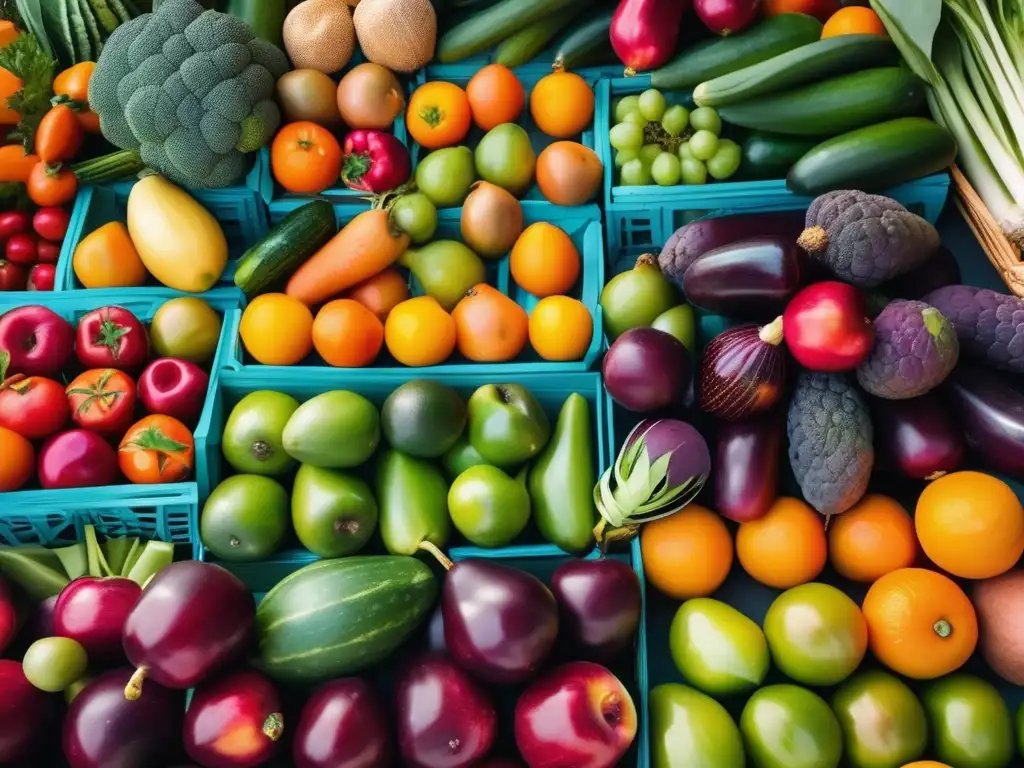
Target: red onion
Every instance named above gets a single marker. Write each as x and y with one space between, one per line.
644 32
646 369
726 17
742 372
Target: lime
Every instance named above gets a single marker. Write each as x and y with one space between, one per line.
245 518
54 663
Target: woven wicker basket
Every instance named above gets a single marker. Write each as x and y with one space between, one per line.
1004 256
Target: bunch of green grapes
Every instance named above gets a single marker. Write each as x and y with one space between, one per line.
669 144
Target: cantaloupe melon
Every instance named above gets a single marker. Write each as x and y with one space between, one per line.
397 34
319 34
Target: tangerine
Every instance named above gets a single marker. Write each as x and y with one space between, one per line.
784 548
544 260
382 292
853 20
495 96
561 329
688 554
491 327
562 104
419 332
920 623
346 334
872 538
277 329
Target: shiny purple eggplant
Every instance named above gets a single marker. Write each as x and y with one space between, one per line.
745 472
918 437
991 413
342 726
598 606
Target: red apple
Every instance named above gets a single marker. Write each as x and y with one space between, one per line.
38 340
93 611
174 388
42 277
579 715
827 328
77 459
8 616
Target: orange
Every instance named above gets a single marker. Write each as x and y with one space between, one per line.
277 329
106 258
382 292
970 524
346 334
569 173
562 104
491 327
687 554
544 260
871 538
495 96
854 20
419 332
920 623
438 114
784 548
19 460
305 158
561 329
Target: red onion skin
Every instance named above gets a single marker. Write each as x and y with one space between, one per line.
726 17
741 374
646 369
644 32
746 467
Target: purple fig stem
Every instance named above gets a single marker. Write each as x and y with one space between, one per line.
133 690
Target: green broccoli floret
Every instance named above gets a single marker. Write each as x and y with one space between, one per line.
192 90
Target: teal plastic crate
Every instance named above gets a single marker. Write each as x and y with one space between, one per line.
582 226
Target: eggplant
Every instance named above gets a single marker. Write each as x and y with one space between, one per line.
991 413
750 279
940 270
745 472
917 437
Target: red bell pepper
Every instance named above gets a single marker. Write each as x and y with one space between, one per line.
374 161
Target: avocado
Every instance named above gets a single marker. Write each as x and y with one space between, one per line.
334 513
423 418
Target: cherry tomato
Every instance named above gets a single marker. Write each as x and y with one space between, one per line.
13 277
51 223
34 407
47 252
112 337
157 449
41 277
14 223
21 249
49 185
59 135
103 401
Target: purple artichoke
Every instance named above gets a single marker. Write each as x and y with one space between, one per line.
915 350
989 325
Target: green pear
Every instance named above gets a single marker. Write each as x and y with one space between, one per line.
445 176
488 507
507 426
505 157
334 512
446 269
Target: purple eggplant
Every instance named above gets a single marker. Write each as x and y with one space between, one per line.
598 606
342 726
917 437
750 279
939 271
102 728
745 472
991 412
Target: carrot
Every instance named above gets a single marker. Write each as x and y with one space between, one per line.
365 246
8 32
15 165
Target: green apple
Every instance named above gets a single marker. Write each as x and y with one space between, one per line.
488 507
507 426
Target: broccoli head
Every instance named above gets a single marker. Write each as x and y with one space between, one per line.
191 89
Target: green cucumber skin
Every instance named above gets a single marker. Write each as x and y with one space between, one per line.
584 41
769 156
338 617
814 61
834 106
264 17
874 158
525 44
720 56
298 236
492 25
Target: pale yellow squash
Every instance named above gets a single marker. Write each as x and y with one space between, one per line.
179 241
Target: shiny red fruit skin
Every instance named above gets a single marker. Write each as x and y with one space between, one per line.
13 277
644 32
112 337
827 327
174 388
598 606
726 17
39 340
93 611
42 277
342 726
24 711
8 617
233 721
34 407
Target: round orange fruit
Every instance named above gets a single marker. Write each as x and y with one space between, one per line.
784 548
346 334
544 260
561 329
853 20
495 96
871 538
687 554
277 329
562 104
419 332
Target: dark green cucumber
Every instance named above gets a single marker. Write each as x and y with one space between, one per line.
771 155
814 61
832 106
525 44
874 158
721 55
298 236
264 17
587 39
492 25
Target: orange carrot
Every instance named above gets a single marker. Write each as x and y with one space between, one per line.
365 246
15 165
8 32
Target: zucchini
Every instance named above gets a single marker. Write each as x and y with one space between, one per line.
298 236
832 106
588 39
771 155
525 44
492 25
814 61
874 158
722 55
264 17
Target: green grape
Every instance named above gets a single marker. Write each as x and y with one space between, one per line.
623 156
648 152
626 136
706 119
635 118
693 171
675 120
684 151
635 174
665 170
54 663
703 145
726 161
652 104
626 105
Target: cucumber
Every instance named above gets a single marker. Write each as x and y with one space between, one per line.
105 15
832 106
298 236
264 17
525 44
874 158
92 27
771 155
814 61
588 39
721 55
492 25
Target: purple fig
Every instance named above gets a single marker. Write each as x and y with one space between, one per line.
342 726
598 606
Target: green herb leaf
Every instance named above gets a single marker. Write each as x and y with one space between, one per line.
912 28
25 58
153 439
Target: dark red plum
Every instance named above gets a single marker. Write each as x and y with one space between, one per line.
24 713
192 619
500 623
103 729
745 472
445 720
918 437
342 726
94 611
598 606
991 413
234 721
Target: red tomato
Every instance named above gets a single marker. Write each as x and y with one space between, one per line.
103 401
14 223
157 449
21 249
42 277
51 223
47 252
34 407
112 337
12 276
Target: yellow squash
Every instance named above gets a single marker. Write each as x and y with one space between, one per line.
178 240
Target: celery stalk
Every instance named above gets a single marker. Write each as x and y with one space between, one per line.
39 581
74 559
97 562
132 557
156 556
116 552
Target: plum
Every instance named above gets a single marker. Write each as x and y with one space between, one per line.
599 606
342 726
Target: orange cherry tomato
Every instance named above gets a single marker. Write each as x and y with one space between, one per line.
59 135
438 115
305 158
51 185
157 449
74 84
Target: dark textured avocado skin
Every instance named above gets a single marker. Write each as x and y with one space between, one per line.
423 418
989 325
